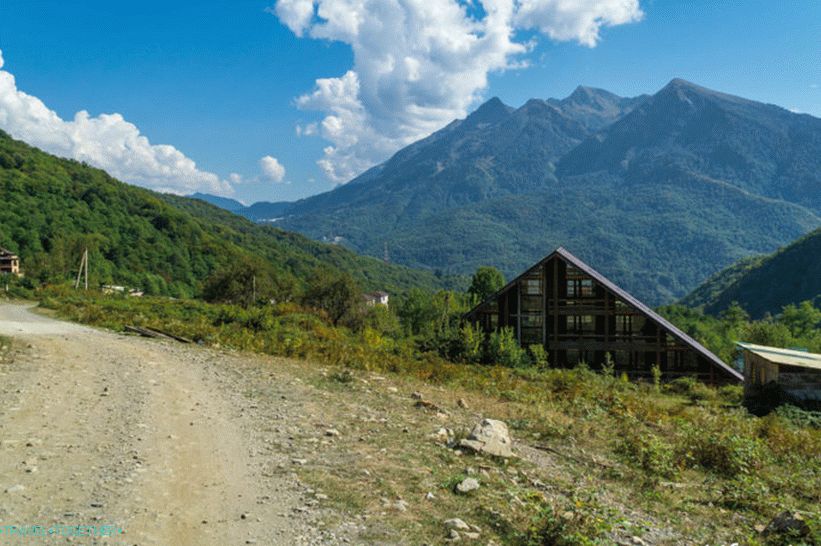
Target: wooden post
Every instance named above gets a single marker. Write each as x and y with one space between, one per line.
556 302
544 305
83 269
519 312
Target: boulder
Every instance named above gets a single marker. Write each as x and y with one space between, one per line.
467 485
490 437
788 523
456 523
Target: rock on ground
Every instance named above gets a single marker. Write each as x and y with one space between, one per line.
490 437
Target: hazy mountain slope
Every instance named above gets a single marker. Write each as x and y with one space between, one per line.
53 208
658 191
225 203
766 284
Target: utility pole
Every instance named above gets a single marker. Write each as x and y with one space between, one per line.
83 269
387 256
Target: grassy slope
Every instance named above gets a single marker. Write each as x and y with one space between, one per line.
766 284
602 459
53 208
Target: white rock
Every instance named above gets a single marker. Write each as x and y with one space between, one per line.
467 485
490 437
456 523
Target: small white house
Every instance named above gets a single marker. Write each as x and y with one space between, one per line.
376 298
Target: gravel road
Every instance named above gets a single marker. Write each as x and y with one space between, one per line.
158 439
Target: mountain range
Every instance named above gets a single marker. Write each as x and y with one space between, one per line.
658 191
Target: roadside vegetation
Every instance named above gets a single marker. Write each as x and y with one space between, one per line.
684 455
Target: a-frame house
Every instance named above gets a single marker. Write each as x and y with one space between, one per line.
581 316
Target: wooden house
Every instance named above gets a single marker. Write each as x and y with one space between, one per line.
578 315
797 373
9 262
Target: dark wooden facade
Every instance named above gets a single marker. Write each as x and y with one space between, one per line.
580 316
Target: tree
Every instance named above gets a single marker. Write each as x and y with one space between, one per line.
335 293
486 281
245 282
802 319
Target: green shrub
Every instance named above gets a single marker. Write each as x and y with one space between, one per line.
538 356
690 387
471 340
656 373
503 349
726 450
649 452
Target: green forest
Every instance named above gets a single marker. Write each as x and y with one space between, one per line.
55 208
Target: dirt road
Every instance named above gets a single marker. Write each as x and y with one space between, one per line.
156 439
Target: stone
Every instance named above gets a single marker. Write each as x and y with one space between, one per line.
786 522
467 485
490 437
332 432
401 506
456 524
462 404
442 435
417 395
15 488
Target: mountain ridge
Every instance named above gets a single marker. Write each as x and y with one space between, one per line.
633 185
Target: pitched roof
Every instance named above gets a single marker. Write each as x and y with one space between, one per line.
788 357
628 298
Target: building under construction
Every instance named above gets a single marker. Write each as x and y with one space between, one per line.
579 315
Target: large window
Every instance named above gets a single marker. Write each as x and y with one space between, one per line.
579 288
532 287
580 324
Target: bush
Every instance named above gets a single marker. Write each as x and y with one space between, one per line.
727 450
690 387
650 452
471 341
504 350
538 356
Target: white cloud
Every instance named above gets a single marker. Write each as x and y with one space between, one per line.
106 141
272 169
418 64
579 20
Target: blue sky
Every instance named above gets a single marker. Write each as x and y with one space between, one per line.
220 80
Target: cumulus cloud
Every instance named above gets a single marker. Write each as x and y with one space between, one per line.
106 141
418 64
272 169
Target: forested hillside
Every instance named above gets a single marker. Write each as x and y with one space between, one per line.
766 284
54 208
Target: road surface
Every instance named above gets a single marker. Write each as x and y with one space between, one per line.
157 440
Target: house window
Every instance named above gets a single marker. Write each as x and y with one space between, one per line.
580 324
532 287
579 288
624 324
